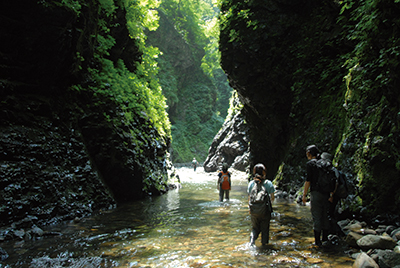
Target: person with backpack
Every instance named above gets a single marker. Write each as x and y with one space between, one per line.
320 181
340 192
224 183
261 194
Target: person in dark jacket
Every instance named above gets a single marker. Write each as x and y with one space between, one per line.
319 200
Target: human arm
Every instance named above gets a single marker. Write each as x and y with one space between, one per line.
306 187
272 196
311 175
249 186
271 190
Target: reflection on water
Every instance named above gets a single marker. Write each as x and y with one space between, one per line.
187 227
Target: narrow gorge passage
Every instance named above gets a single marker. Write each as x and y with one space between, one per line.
187 227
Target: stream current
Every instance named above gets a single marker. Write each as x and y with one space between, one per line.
186 227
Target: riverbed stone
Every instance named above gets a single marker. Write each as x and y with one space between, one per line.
343 223
395 234
351 239
376 242
19 234
3 254
281 194
390 229
380 230
36 231
386 258
364 261
366 231
355 226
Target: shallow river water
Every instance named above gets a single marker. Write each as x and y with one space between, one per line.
187 227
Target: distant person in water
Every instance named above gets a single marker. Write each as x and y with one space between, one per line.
194 163
224 183
261 195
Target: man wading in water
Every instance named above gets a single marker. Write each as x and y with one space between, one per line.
224 183
319 199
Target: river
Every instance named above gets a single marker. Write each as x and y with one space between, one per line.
187 227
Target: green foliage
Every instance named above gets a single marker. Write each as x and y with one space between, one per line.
137 95
107 6
74 5
373 65
341 61
198 103
193 82
193 130
141 14
186 16
168 82
193 145
234 106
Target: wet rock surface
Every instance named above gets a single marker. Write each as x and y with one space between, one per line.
63 165
66 154
230 146
379 246
46 172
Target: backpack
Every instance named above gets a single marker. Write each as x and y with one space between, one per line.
259 201
327 178
224 181
342 190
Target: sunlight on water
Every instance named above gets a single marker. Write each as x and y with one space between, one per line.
187 227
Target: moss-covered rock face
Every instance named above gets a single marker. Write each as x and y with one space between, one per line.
316 72
66 153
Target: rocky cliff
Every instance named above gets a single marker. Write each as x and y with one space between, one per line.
231 144
66 153
317 72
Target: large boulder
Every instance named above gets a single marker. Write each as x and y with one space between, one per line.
229 146
376 242
386 258
365 261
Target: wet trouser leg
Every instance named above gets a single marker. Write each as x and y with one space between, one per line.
265 229
260 224
253 236
325 234
317 237
222 193
319 212
332 214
